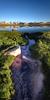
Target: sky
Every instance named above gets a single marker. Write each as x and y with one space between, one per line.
25 10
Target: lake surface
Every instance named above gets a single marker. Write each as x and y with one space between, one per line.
27 29
33 29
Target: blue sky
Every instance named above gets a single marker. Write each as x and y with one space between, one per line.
25 10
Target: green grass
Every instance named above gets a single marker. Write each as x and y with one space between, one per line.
6 84
11 38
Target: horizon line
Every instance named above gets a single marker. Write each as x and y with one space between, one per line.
26 21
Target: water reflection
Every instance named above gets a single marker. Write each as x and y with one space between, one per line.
26 29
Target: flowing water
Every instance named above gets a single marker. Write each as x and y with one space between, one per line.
28 80
37 76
